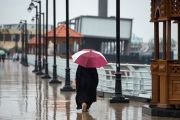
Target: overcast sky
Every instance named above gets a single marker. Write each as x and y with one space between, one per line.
12 11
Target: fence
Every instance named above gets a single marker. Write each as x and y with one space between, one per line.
136 78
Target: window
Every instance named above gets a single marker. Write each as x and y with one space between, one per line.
108 48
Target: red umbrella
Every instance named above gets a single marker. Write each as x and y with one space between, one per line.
89 58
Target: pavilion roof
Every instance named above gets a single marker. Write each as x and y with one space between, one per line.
61 32
32 41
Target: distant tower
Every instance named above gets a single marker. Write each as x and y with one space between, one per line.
102 9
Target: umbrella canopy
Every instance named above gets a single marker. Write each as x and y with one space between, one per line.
2 52
89 58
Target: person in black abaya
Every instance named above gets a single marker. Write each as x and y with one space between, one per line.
86 86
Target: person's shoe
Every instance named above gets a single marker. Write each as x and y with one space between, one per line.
84 107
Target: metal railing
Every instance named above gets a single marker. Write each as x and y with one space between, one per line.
136 78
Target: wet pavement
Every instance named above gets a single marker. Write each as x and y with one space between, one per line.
25 96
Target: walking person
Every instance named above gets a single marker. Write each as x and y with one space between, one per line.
86 87
87 77
3 57
17 56
14 57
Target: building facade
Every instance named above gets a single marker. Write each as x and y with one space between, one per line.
99 33
11 36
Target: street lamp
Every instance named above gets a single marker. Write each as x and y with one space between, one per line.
21 27
46 76
54 80
67 86
43 41
118 97
36 52
25 62
26 45
42 38
39 55
15 39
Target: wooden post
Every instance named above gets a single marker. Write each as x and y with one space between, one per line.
155 83
155 66
156 40
178 40
163 84
168 54
164 40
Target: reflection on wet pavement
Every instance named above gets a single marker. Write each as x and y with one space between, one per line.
25 96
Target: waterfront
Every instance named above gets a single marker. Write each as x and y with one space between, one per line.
25 96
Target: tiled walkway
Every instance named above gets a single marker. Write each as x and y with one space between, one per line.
25 96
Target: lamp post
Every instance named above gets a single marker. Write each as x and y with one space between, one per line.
46 76
118 97
67 86
36 52
26 45
15 39
54 80
43 41
39 54
25 61
22 41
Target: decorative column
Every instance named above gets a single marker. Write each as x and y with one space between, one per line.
155 67
163 72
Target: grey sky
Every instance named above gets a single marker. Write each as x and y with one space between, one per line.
12 11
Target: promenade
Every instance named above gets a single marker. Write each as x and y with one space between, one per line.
25 96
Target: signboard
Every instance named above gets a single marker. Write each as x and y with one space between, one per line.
103 27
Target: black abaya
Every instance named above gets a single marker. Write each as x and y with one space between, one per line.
86 85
